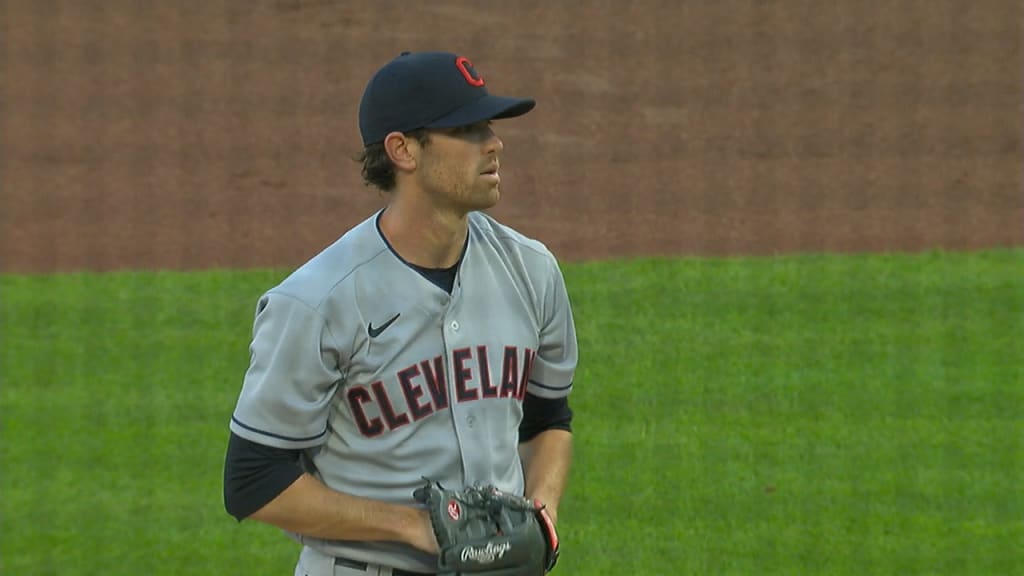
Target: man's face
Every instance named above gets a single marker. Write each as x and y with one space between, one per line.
459 167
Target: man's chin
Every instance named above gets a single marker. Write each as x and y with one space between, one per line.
488 200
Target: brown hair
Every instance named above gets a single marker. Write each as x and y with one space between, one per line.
378 170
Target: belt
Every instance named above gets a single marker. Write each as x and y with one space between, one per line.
349 563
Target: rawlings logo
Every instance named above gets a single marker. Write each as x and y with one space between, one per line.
454 512
485 554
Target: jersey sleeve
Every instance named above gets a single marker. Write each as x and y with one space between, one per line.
292 375
555 364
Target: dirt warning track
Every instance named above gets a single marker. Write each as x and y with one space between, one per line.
219 134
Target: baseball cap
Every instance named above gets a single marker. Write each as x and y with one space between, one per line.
430 90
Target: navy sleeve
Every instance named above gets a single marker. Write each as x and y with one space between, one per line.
255 474
540 414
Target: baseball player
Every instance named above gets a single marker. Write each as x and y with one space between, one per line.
428 342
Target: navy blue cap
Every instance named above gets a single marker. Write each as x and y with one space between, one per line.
430 90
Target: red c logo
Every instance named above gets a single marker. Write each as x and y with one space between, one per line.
468 72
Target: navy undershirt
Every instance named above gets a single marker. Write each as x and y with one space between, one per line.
443 278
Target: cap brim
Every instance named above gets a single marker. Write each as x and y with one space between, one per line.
490 107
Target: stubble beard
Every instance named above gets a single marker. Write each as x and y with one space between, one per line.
476 198
463 196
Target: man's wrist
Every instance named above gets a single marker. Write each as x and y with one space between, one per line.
549 507
552 513
415 529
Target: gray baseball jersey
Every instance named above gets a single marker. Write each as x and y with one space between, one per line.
383 378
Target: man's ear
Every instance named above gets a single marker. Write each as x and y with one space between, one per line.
402 150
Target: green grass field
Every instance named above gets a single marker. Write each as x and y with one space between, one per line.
793 415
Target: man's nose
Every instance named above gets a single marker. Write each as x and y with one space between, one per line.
493 143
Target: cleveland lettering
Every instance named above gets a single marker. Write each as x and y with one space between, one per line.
421 389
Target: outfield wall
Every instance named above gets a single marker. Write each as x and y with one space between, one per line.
218 133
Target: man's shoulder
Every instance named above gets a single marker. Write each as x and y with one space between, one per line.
321 276
505 237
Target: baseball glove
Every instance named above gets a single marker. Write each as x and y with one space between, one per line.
482 530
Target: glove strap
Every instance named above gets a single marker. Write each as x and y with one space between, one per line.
547 527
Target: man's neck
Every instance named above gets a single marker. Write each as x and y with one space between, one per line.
425 235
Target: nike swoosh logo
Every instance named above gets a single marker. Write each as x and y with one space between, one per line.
374 332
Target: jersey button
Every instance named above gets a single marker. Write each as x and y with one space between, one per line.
470 421
455 326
